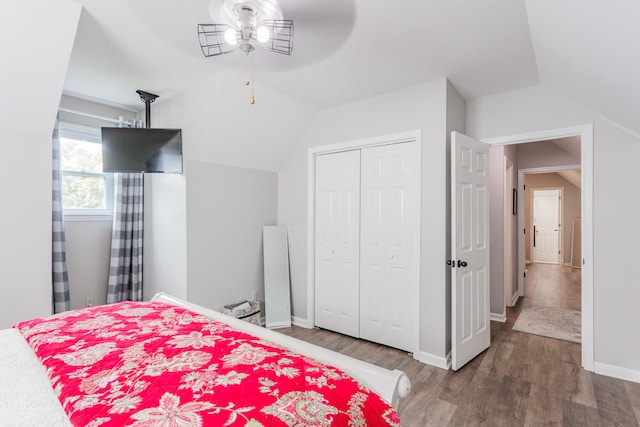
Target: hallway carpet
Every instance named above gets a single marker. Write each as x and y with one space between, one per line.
550 322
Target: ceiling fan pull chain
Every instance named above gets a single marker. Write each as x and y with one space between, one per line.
252 100
247 82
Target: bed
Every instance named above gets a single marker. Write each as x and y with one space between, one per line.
171 362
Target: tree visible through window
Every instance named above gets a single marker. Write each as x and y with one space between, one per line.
85 188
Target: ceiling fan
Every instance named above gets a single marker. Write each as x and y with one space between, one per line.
243 25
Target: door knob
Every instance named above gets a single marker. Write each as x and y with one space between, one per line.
462 263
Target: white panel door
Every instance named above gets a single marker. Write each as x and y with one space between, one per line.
546 223
337 240
470 327
389 273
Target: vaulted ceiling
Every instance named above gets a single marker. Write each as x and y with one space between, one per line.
346 50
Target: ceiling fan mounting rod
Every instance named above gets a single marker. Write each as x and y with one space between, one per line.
247 24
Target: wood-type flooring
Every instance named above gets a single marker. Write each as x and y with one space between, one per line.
521 380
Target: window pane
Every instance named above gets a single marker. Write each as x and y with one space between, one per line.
80 156
83 192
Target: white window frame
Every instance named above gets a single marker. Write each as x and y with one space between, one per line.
91 134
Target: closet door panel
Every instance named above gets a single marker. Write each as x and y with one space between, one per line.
389 245
337 237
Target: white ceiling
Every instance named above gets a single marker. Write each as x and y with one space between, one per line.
346 50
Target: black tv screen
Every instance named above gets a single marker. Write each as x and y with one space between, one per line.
142 150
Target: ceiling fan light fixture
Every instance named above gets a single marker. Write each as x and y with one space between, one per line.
213 39
263 34
246 23
280 36
231 36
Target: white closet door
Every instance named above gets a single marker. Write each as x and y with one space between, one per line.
389 274
337 242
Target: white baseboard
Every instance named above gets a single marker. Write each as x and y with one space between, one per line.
616 372
502 317
514 299
277 325
303 323
437 361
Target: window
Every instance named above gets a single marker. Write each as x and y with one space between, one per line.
86 190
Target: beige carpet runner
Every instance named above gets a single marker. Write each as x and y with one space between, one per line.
550 322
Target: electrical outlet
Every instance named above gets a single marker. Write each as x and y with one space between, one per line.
88 302
254 295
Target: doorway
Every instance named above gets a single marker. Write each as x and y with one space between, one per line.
585 133
546 225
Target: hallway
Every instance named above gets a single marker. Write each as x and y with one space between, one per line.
550 285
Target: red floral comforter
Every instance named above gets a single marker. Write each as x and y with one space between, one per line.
154 364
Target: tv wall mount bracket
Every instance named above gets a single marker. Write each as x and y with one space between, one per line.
147 98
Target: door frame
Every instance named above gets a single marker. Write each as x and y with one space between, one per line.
521 224
508 246
585 132
560 213
398 138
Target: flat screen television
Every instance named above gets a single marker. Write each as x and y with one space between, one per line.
142 150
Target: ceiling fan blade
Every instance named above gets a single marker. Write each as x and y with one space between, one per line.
212 39
281 35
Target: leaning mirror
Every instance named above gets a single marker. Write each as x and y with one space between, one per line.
276 277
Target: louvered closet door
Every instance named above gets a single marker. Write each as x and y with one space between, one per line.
337 240
389 274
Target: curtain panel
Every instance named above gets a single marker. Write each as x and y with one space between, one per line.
60 278
125 272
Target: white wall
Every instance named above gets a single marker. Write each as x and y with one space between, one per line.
616 228
88 256
543 154
203 235
226 210
27 113
165 235
417 107
456 121
219 125
25 255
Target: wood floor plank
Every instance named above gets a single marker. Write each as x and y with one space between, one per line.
613 401
544 407
578 385
437 413
473 407
576 415
454 387
633 390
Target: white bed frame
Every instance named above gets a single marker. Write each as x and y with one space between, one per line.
391 385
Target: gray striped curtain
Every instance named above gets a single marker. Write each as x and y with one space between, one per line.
125 272
60 279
